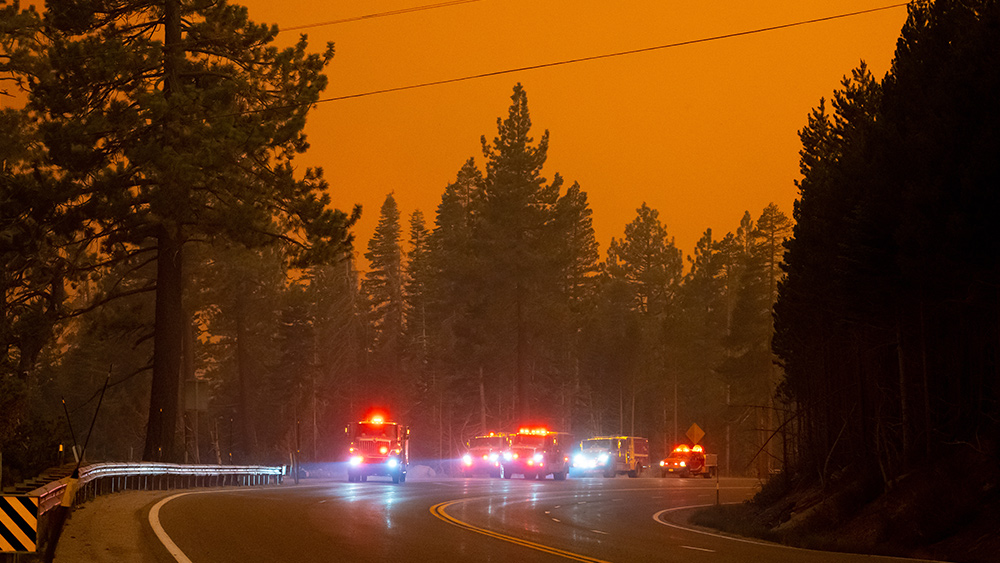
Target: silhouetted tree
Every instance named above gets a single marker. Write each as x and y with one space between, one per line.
188 136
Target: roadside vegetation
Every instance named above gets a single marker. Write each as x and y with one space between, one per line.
886 323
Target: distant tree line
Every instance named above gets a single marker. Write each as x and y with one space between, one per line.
888 322
502 313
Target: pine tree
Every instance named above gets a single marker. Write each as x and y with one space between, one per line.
176 124
517 206
383 289
417 294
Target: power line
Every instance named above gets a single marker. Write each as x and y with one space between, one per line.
381 14
607 55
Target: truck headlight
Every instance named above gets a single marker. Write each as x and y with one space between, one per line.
356 460
467 459
494 457
507 456
393 462
603 459
579 460
537 457
683 464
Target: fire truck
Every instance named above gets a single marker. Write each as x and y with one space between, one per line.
378 447
483 455
689 461
611 456
535 453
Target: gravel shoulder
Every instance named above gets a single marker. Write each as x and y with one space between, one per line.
112 529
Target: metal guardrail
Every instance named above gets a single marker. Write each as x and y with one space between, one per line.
103 478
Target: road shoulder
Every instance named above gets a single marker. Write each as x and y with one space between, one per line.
111 529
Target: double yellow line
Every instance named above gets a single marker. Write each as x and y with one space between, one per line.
439 511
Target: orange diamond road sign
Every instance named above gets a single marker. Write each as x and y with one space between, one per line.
695 434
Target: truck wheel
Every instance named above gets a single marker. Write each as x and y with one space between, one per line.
351 477
707 474
402 477
560 475
633 473
364 478
395 477
504 473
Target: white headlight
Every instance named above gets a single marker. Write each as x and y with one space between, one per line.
579 460
467 459
393 462
537 457
603 458
356 460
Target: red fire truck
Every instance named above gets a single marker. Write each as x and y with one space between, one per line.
537 452
483 455
688 461
378 448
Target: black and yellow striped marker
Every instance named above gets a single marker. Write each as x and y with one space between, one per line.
18 524
439 511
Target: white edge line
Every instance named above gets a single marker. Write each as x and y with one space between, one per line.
658 518
154 522
698 548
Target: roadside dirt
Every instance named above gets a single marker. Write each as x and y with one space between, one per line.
931 513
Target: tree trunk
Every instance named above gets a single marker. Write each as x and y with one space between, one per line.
167 349
244 375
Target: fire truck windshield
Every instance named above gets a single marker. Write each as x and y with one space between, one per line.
604 443
369 430
486 442
528 440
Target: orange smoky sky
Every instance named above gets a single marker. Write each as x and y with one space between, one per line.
700 132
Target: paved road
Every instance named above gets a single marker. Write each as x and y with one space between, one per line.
480 520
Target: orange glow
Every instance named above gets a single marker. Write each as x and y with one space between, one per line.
701 132
697 448
682 449
383 450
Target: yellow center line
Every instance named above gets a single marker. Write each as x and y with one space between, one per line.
438 510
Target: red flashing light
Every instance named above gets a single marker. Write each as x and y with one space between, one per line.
377 419
533 431
697 448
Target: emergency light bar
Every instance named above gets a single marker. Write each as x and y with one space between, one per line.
533 431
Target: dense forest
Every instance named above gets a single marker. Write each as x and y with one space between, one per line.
887 322
185 264
154 235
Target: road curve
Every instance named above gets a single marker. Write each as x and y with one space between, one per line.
482 520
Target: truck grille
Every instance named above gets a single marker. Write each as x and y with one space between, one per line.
371 447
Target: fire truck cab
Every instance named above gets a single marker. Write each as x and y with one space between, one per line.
612 455
537 452
688 461
483 455
378 448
